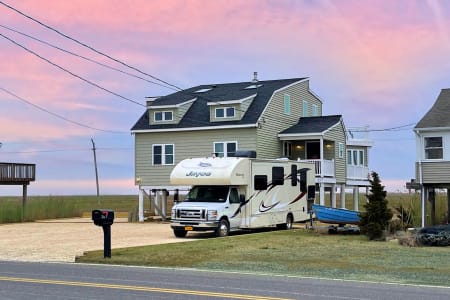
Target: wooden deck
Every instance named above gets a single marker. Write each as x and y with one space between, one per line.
17 173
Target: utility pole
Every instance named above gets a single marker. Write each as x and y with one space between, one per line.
96 172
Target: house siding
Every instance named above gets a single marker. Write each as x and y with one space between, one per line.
187 144
274 120
337 134
434 172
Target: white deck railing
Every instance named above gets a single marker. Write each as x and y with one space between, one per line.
323 167
357 172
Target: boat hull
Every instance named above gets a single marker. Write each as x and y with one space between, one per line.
333 215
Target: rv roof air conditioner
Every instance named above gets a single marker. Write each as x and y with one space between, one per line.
245 153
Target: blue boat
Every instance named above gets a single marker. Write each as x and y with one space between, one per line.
333 215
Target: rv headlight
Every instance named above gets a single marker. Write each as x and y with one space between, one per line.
212 215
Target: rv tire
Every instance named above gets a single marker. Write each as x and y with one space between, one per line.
287 225
289 222
223 229
180 233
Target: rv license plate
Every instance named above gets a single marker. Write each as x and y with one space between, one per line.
188 228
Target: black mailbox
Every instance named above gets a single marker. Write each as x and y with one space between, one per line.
102 217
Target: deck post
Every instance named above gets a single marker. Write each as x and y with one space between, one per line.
333 196
24 200
322 194
343 195
141 205
424 201
356 198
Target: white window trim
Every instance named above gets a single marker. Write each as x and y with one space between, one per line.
315 110
225 143
360 158
163 154
163 116
287 104
305 111
287 149
224 112
341 150
426 148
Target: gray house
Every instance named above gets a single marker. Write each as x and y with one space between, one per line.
433 152
277 118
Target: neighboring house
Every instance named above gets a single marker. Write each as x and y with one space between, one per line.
277 118
433 152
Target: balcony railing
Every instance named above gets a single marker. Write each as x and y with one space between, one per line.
11 173
357 172
323 167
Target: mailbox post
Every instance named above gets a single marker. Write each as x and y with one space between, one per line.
104 218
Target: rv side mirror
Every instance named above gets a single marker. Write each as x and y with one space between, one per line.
176 196
303 180
311 192
242 198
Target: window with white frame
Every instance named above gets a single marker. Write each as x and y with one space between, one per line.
314 110
225 112
355 157
341 150
161 116
305 108
287 104
225 149
434 148
287 149
163 154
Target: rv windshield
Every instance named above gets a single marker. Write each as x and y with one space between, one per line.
210 193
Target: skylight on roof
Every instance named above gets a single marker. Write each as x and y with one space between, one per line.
203 90
253 86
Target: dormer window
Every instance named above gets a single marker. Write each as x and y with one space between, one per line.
225 112
161 116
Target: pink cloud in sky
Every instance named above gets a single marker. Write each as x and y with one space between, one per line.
385 59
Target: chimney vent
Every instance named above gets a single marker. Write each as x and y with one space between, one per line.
255 76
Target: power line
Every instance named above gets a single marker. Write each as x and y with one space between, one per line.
70 72
85 58
56 115
87 46
396 128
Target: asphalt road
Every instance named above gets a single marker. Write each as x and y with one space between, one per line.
31 280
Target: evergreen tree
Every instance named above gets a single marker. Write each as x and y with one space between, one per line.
377 215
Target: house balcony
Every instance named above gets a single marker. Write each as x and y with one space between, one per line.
17 173
323 167
357 172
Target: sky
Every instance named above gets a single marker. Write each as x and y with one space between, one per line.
378 63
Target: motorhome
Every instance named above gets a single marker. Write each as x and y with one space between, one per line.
233 193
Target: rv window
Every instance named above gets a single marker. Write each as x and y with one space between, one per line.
210 193
294 175
260 182
277 175
234 196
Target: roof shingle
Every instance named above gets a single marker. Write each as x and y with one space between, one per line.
439 114
198 114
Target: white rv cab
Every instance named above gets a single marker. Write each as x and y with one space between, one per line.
233 193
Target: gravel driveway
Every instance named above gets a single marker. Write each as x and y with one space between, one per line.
63 239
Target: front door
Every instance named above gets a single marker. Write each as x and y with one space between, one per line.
236 213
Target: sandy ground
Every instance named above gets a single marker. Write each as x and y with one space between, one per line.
63 239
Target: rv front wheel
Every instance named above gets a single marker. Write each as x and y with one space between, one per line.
289 221
179 233
223 229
